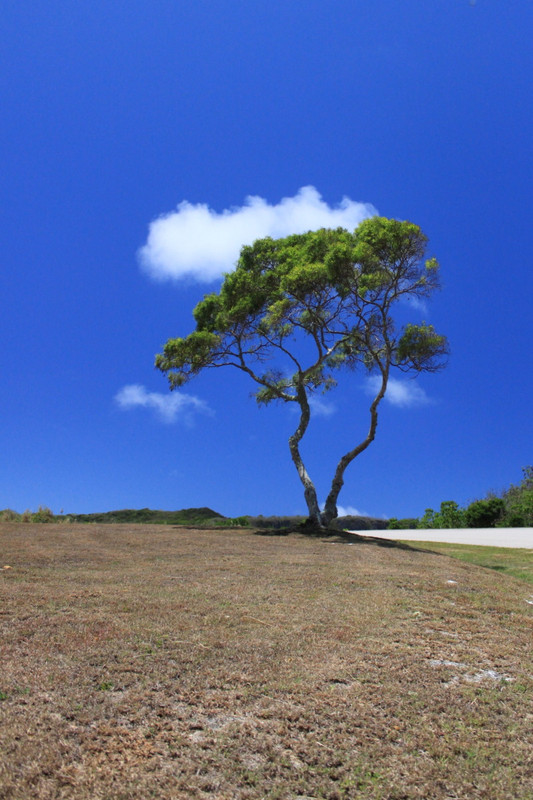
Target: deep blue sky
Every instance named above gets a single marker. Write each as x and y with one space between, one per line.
114 113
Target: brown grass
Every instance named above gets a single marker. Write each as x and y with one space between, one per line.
149 661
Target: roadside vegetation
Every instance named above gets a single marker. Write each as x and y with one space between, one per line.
154 661
512 508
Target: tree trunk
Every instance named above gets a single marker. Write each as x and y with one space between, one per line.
330 508
315 517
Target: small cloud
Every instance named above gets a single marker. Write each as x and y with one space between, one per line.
169 407
320 408
417 303
201 244
350 511
404 394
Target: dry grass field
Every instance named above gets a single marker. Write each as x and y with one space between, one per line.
151 661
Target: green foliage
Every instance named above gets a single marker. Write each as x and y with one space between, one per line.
184 358
449 516
353 523
275 522
405 524
187 516
43 514
340 523
331 288
420 347
233 522
484 513
385 243
514 509
519 502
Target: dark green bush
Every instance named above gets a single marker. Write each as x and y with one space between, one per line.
519 502
449 516
484 513
405 524
351 523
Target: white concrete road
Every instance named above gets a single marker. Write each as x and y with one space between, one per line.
487 537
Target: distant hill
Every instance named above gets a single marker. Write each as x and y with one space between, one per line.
186 516
206 517
192 517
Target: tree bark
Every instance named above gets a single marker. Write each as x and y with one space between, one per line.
310 495
330 508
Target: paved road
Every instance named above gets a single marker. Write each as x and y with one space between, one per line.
492 537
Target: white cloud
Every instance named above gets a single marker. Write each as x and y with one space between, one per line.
168 407
320 408
198 243
350 511
418 303
404 394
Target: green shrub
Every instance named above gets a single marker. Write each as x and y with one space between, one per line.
233 522
484 513
43 514
518 502
449 516
406 524
514 509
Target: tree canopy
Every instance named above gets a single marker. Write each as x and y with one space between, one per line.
298 310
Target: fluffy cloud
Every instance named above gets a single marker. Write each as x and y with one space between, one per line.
168 407
404 394
350 511
198 243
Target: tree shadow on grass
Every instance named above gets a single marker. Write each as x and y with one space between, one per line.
339 537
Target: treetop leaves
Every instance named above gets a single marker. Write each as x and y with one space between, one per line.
314 302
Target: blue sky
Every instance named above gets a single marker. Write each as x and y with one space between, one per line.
121 118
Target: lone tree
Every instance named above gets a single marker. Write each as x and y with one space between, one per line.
298 310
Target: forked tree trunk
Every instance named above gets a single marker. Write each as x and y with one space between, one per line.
317 518
310 495
330 508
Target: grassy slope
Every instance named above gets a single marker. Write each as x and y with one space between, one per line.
516 562
146 661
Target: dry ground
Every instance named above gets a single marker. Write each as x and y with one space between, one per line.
151 661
